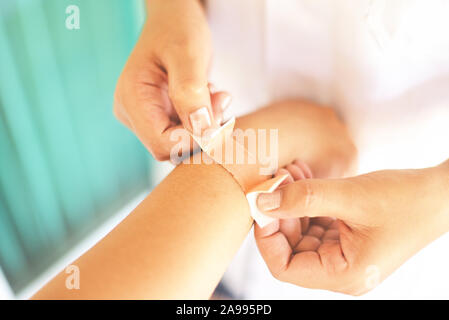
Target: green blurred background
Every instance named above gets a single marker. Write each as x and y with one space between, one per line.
66 164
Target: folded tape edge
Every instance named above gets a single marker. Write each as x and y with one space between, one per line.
265 187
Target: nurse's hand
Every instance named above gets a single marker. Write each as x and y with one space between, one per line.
378 221
164 85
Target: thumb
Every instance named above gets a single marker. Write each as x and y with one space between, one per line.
190 95
312 198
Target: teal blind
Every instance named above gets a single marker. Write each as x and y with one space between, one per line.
65 163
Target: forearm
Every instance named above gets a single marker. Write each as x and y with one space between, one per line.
175 244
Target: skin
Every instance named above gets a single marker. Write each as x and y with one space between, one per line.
178 242
374 223
165 78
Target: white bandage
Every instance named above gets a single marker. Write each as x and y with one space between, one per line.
217 138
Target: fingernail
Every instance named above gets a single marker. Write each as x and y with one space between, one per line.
226 103
269 201
200 120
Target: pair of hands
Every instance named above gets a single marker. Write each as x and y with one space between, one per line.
345 234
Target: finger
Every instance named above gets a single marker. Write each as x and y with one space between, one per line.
307 173
189 91
220 102
316 269
309 268
305 223
268 230
291 228
334 224
337 198
296 172
324 222
179 144
316 231
332 234
147 107
304 168
308 243
274 248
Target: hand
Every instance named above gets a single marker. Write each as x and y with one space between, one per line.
164 84
378 221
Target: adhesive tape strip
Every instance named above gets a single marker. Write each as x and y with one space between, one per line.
265 187
217 138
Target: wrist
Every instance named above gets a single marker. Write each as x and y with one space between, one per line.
232 156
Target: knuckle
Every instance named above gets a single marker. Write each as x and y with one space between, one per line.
119 89
118 106
301 196
117 94
188 88
158 153
185 47
190 44
159 156
115 112
184 51
309 195
118 114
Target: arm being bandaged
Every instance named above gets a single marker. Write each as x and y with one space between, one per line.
221 140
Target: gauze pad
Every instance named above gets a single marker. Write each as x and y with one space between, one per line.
210 142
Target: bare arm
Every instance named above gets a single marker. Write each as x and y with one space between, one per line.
178 242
